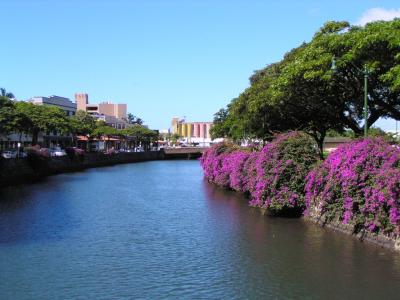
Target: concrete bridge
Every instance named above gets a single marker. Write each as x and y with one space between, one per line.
184 152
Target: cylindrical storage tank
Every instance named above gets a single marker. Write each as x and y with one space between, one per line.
190 129
196 130
208 127
184 131
180 129
201 130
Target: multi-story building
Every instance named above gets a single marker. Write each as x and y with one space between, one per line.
111 121
193 132
82 100
12 140
114 115
61 102
53 138
48 139
104 108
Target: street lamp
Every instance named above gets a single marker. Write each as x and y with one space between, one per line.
365 72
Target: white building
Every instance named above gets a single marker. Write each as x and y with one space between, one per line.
48 139
61 102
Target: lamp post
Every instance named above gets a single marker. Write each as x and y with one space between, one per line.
19 149
365 73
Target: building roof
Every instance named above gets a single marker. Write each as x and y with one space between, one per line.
54 100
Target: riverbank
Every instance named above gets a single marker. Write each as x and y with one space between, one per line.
18 171
362 235
379 239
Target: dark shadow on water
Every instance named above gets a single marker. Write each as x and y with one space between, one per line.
216 193
28 213
287 213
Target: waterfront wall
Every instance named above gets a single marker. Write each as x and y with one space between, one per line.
184 153
380 239
16 171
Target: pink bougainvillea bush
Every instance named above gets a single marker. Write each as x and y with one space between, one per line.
215 163
358 184
273 177
280 168
235 169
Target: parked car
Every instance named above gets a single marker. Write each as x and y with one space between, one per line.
45 152
57 152
23 154
6 154
110 151
74 152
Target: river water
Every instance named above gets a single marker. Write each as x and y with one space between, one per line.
157 230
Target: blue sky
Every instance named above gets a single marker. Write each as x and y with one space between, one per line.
163 58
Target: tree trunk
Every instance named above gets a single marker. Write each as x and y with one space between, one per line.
35 136
320 142
319 139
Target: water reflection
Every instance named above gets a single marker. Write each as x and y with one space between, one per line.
302 254
29 214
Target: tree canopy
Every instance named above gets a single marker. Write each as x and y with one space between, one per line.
4 93
301 92
83 123
6 114
33 119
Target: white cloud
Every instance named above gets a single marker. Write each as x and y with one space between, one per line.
378 14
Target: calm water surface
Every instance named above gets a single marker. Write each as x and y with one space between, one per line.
156 230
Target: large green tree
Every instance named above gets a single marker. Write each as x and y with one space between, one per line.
7 112
82 123
309 79
302 93
41 118
140 134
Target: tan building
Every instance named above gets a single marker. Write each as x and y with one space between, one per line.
104 108
82 100
110 109
112 121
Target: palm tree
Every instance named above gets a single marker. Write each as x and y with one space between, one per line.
139 121
132 119
4 93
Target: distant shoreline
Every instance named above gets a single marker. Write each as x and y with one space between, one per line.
20 171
